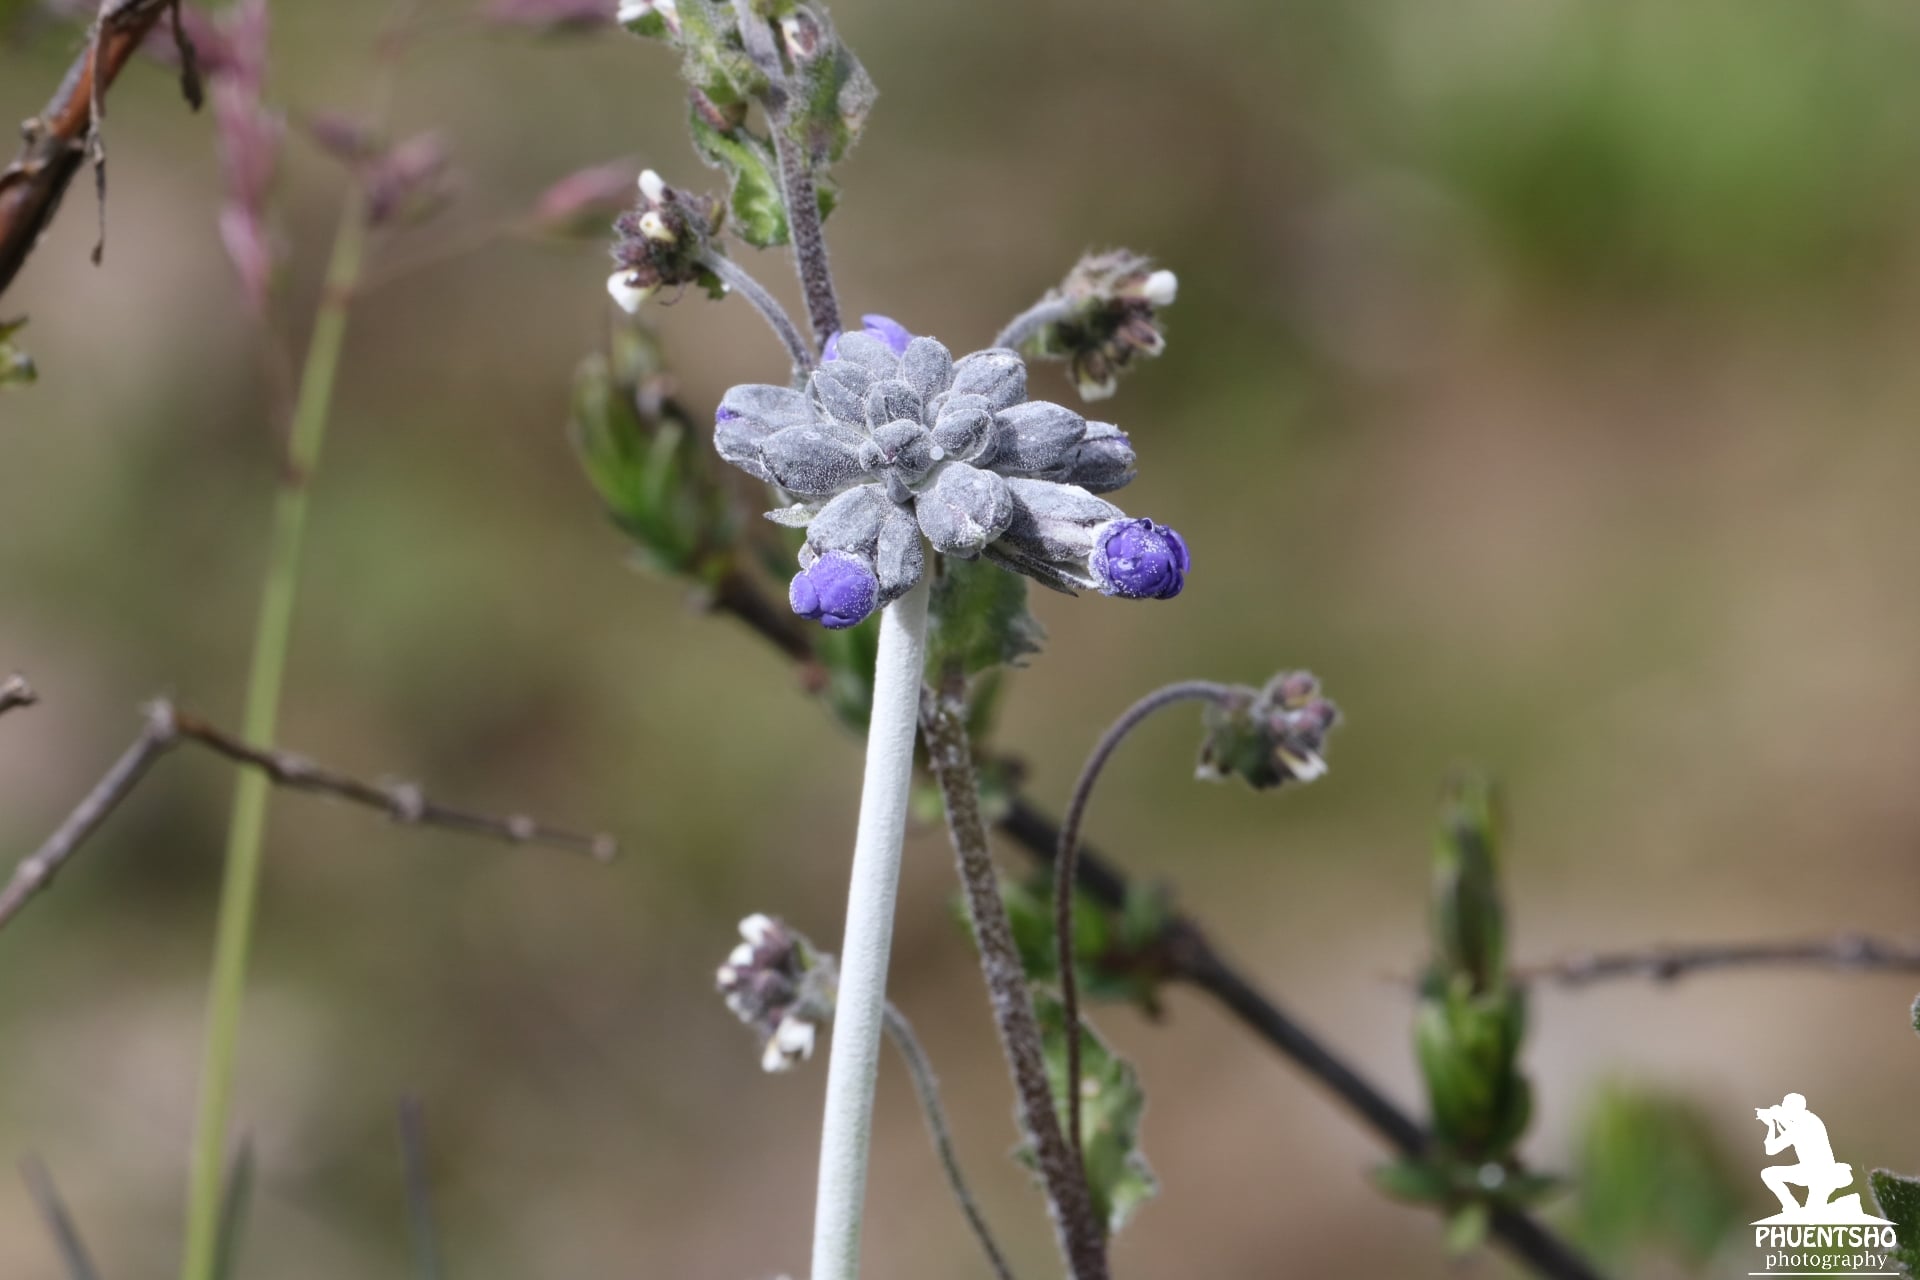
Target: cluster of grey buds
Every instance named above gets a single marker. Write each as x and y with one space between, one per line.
779 984
661 241
1272 735
1108 318
893 440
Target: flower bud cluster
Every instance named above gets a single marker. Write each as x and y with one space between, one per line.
1112 303
778 984
893 442
660 242
1270 736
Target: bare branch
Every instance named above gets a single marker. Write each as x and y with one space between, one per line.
60 139
167 728
15 692
1671 963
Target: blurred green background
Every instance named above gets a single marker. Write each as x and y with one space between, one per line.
1541 377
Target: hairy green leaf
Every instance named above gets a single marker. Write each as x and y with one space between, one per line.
1111 1103
1899 1199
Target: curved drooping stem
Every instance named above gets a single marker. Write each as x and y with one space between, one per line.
1082 1236
1064 871
741 281
1031 321
927 1088
860 1008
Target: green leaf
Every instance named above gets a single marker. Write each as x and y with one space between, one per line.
1111 1103
1899 1199
1653 1177
1467 1227
1469 926
978 619
1415 1181
16 366
755 200
640 453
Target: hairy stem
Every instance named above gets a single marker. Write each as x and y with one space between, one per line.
927 1088
950 755
1064 871
1045 312
847 1128
809 242
738 279
272 631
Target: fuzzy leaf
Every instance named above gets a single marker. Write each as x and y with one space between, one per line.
1653 1178
979 618
1899 1199
1414 1181
754 198
1111 1103
1467 1227
643 463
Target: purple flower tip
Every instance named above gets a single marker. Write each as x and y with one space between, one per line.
1140 560
723 414
889 331
838 590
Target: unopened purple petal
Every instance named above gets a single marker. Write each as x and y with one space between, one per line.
1140 560
838 590
889 331
831 351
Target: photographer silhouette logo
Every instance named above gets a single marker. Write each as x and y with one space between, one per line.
1815 1234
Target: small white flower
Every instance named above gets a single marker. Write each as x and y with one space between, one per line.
791 1042
654 227
1161 288
628 296
652 187
633 10
741 957
756 928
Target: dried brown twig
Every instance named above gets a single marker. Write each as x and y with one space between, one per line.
1671 963
168 727
62 138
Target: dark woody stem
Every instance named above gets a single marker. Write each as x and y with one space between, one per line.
950 755
1064 869
738 279
803 227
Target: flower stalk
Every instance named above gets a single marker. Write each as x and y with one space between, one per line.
860 1015
239 892
1082 1238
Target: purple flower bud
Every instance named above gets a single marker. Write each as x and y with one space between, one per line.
1140 560
838 590
889 331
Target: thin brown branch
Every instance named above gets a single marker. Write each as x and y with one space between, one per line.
1671 963
943 722
167 728
15 693
59 140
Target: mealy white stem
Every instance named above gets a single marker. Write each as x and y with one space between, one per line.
859 1012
